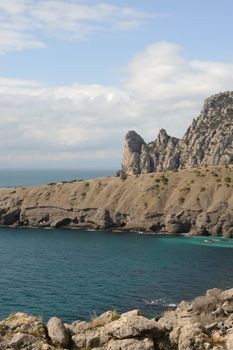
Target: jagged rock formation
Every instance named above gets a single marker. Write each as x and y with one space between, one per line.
208 141
191 201
204 324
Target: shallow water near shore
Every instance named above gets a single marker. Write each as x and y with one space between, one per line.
72 274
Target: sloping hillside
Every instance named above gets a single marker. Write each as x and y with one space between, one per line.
196 201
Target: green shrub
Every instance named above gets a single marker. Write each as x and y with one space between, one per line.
185 189
115 316
227 179
123 176
216 340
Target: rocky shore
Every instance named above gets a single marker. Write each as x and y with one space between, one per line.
205 323
195 201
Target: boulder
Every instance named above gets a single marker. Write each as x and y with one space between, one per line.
190 335
58 333
131 344
130 326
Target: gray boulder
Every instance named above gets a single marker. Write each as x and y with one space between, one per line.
131 344
58 333
130 326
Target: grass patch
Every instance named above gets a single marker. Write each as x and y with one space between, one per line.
181 200
227 179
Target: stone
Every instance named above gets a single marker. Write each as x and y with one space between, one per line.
131 344
227 295
57 332
208 141
103 219
78 327
132 326
11 217
132 151
20 340
192 334
229 341
20 331
135 312
185 328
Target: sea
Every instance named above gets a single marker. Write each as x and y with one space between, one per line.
75 274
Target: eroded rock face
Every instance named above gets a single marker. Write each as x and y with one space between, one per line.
134 153
206 323
20 331
208 141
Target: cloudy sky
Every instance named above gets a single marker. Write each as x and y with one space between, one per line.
76 75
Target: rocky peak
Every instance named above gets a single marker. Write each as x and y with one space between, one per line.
135 151
133 142
162 138
208 141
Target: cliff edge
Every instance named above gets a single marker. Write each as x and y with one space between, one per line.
192 201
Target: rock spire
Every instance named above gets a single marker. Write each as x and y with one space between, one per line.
208 141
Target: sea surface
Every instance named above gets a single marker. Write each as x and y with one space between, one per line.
74 274
30 177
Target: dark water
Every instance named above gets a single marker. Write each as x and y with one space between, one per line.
72 274
17 177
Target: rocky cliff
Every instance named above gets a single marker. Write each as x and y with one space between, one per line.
192 201
204 324
208 141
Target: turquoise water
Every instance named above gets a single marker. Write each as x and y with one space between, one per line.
72 274
17 177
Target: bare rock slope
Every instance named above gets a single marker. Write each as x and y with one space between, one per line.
204 324
193 201
208 141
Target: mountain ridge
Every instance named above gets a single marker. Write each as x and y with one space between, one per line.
207 141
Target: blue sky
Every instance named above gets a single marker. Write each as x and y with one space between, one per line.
76 75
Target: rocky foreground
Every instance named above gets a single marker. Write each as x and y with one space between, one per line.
206 323
196 201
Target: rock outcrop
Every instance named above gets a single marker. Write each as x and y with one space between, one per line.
208 141
191 201
204 324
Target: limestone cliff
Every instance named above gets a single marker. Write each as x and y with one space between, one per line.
208 141
194 201
204 324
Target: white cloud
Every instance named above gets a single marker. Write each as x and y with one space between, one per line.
26 23
161 89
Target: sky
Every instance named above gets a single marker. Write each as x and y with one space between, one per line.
76 75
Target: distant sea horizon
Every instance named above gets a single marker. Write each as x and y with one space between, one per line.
31 177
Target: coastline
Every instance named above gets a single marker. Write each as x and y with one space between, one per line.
204 323
195 201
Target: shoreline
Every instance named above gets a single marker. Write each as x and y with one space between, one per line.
188 202
204 323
